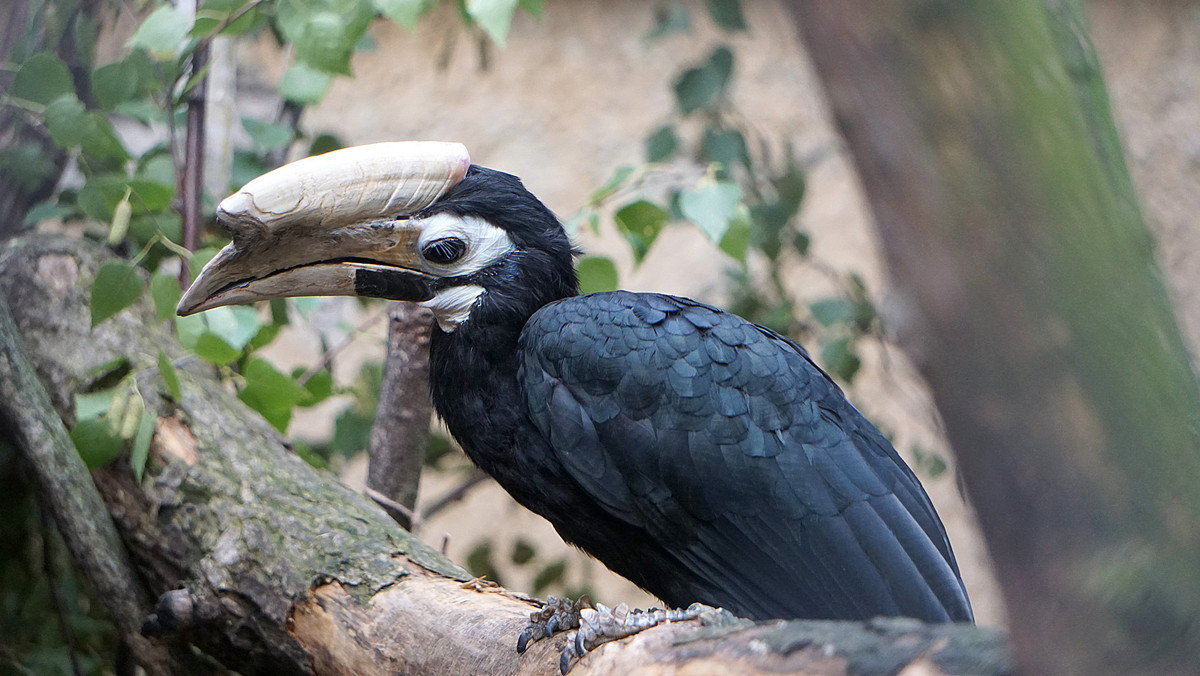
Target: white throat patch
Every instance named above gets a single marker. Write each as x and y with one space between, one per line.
452 306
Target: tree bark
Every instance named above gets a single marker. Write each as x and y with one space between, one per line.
66 489
270 566
982 134
396 449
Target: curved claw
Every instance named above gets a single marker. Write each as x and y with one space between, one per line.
574 650
557 615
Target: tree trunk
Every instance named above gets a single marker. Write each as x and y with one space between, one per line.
983 137
270 566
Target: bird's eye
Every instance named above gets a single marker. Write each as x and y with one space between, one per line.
444 251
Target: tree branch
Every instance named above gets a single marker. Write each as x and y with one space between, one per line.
64 484
396 450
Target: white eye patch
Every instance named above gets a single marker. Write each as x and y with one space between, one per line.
485 243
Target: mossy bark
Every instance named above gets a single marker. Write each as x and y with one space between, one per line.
984 140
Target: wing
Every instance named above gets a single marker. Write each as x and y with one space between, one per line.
770 494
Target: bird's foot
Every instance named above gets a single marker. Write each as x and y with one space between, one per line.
558 614
602 624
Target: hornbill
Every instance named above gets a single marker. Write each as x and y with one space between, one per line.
699 455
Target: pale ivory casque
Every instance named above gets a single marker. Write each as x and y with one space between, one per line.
340 205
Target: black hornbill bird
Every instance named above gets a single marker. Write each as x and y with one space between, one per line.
699 455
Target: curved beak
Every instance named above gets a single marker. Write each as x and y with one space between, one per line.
331 225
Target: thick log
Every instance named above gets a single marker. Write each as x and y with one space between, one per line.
270 566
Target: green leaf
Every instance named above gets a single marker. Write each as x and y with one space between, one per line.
534 7
493 16
736 241
236 325
96 443
324 143
200 258
702 86
711 206
307 454
304 84
721 62
41 79
151 196
156 166
727 14
790 187
267 136
246 166
695 89
142 110
801 242
114 83
928 462
215 12
140 452
270 392
726 146
27 165
67 121
841 359
479 562
163 33
264 336
109 373
640 223
661 145
100 195
351 432
170 377
404 12
214 350
613 184
522 552
324 32
596 274
116 287
100 141
832 311
92 405
317 389
669 19
550 574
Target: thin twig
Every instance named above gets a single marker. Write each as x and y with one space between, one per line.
418 518
346 341
393 508
476 477
193 158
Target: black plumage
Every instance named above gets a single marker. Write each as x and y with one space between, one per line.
701 456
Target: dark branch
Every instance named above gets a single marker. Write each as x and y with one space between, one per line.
396 450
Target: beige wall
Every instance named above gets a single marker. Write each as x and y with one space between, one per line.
572 97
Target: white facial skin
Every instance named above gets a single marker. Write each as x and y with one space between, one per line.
485 244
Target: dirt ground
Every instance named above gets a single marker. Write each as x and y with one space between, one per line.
571 98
